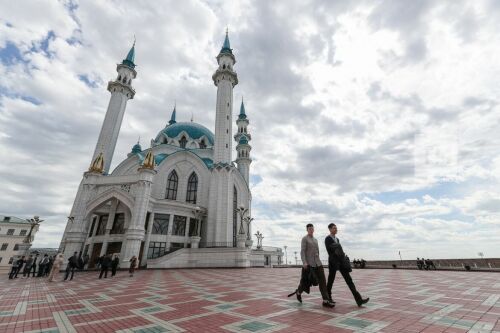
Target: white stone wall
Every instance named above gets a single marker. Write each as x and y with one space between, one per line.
216 257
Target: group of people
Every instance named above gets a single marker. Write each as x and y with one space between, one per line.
426 264
106 262
359 263
51 265
31 266
313 273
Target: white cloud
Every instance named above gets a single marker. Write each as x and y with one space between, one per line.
340 96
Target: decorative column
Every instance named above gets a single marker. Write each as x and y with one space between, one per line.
144 258
135 233
195 240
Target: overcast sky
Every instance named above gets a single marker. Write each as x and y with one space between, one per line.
381 116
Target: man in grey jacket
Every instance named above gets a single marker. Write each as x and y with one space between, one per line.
309 253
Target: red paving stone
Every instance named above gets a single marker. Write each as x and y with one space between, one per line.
251 300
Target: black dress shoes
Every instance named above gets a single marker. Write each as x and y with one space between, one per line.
362 301
328 304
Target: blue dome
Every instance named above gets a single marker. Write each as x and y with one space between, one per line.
136 148
194 130
243 140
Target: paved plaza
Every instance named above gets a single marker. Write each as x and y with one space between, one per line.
251 300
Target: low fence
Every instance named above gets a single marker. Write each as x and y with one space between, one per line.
476 263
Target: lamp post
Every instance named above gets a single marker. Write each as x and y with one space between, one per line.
248 242
241 237
195 239
295 258
242 211
34 222
259 240
286 256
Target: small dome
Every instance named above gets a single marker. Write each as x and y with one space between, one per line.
193 130
136 148
243 140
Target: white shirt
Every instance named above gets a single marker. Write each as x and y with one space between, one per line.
335 239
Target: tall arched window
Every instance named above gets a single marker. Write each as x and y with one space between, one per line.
192 188
235 214
183 141
172 183
202 144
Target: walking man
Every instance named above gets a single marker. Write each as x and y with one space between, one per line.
33 268
114 265
105 264
13 270
20 263
27 266
337 262
42 267
312 268
72 265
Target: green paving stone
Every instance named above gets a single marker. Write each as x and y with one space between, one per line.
255 326
6 313
152 309
50 330
225 306
358 323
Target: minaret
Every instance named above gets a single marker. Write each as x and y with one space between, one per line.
243 147
172 118
225 79
121 91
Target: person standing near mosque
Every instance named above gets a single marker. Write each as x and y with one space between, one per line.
114 265
56 266
134 263
337 261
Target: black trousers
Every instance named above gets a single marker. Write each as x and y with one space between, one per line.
113 270
104 270
348 280
33 270
68 270
13 272
41 270
320 274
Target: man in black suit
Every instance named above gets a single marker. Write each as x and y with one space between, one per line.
337 262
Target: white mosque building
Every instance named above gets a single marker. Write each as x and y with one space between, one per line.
183 202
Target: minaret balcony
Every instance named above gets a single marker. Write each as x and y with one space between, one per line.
121 87
227 73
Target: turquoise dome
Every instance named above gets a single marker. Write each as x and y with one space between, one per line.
136 148
243 140
194 130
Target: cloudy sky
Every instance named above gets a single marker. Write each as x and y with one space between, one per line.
382 116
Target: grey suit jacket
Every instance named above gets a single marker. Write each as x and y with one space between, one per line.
309 251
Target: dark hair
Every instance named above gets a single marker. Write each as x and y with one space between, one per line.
309 225
331 225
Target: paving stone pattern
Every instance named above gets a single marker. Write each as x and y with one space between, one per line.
250 300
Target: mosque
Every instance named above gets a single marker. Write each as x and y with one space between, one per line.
183 202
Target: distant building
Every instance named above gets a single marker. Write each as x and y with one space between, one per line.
13 232
44 250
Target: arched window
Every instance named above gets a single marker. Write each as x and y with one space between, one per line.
202 144
183 141
172 183
124 80
235 214
192 188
